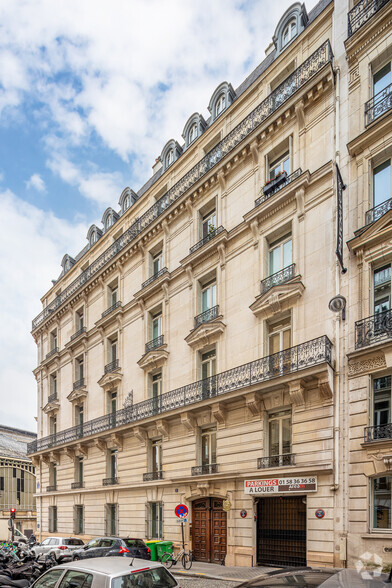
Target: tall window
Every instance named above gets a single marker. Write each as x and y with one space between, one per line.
112 407
192 133
382 183
280 254
156 262
381 499
79 473
169 157
208 370
53 425
156 387
112 294
279 336
111 519
53 384
156 455
79 319
381 403
280 165
112 349
155 520
208 224
113 464
79 414
156 324
53 475
79 368
279 433
382 79
382 289
126 203
52 519
53 340
220 105
289 32
78 519
208 295
208 446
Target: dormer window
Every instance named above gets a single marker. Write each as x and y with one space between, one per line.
192 133
127 202
109 222
169 158
221 99
220 104
93 238
289 32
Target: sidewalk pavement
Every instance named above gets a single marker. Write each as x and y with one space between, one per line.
218 572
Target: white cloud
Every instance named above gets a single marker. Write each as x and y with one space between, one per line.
36 182
34 242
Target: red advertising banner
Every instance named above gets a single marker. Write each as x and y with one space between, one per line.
278 485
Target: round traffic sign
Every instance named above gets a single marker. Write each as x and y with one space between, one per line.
181 511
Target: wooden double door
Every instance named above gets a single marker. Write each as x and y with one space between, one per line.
209 530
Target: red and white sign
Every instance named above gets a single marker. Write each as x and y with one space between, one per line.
181 511
279 485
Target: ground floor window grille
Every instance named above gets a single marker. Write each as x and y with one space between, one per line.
111 519
52 519
79 519
155 520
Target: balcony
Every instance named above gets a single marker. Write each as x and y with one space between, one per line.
151 476
277 184
202 470
52 397
111 308
361 13
275 461
110 481
78 333
206 239
378 433
154 344
296 359
52 488
280 277
76 485
373 329
281 95
111 367
52 352
378 105
78 384
208 315
377 212
152 279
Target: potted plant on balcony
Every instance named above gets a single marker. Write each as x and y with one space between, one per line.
274 183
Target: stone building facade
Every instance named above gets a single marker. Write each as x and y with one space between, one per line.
188 353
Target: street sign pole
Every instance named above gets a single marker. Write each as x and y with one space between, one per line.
12 530
182 533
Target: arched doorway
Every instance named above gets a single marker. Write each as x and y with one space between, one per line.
209 530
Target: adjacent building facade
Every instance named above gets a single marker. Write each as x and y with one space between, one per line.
188 354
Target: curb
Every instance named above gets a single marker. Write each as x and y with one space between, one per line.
207 576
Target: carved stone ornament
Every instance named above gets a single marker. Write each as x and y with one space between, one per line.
364 366
128 402
388 462
278 298
206 333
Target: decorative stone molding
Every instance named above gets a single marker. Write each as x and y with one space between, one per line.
115 441
52 406
110 380
54 457
77 395
388 462
218 412
154 358
325 385
70 453
101 445
163 428
189 422
253 403
365 366
206 333
278 298
141 435
297 392
81 449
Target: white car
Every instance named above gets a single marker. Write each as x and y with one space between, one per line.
60 547
108 572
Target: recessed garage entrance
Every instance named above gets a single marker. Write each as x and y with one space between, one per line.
209 530
281 531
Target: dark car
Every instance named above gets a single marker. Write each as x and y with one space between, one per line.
318 578
109 546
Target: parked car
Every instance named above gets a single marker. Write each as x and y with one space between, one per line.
112 546
103 572
60 547
318 578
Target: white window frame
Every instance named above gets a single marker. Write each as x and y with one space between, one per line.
156 319
192 135
279 416
169 159
210 435
291 26
159 523
220 105
208 291
280 243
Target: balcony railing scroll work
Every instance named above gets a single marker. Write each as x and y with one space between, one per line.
154 344
362 12
208 315
305 355
281 277
275 461
273 186
373 329
299 78
378 105
377 212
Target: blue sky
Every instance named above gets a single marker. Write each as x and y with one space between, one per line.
90 92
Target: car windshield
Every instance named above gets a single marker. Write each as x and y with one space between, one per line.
151 578
304 579
73 542
134 543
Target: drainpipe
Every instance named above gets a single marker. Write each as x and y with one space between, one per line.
337 291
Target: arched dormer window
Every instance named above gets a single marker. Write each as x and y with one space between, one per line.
194 127
192 133
169 158
289 32
127 198
109 218
221 99
67 262
170 153
290 26
93 235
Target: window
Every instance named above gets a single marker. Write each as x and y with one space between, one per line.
79 521
169 158
108 222
79 368
127 202
53 385
111 526
156 262
381 499
279 336
113 463
79 464
279 433
289 32
280 254
156 455
79 319
381 405
113 294
208 371
79 414
155 520
52 519
112 349
208 446
208 224
146 577
382 79
53 474
382 289
192 133
112 407
53 340
281 164
52 425
220 105
382 183
208 296
49 580
156 324
156 388
93 238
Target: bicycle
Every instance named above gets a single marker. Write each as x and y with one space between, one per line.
168 559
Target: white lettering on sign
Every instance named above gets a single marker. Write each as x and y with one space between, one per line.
279 485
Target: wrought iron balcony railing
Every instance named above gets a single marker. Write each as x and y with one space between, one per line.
378 105
362 12
78 384
154 277
284 275
110 367
284 182
373 329
52 352
111 308
378 433
76 485
299 78
205 239
297 358
154 344
201 470
52 397
275 461
79 332
206 316
110 481
151 476
52 488
377 212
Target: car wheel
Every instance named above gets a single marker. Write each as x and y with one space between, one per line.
53 556
76 558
